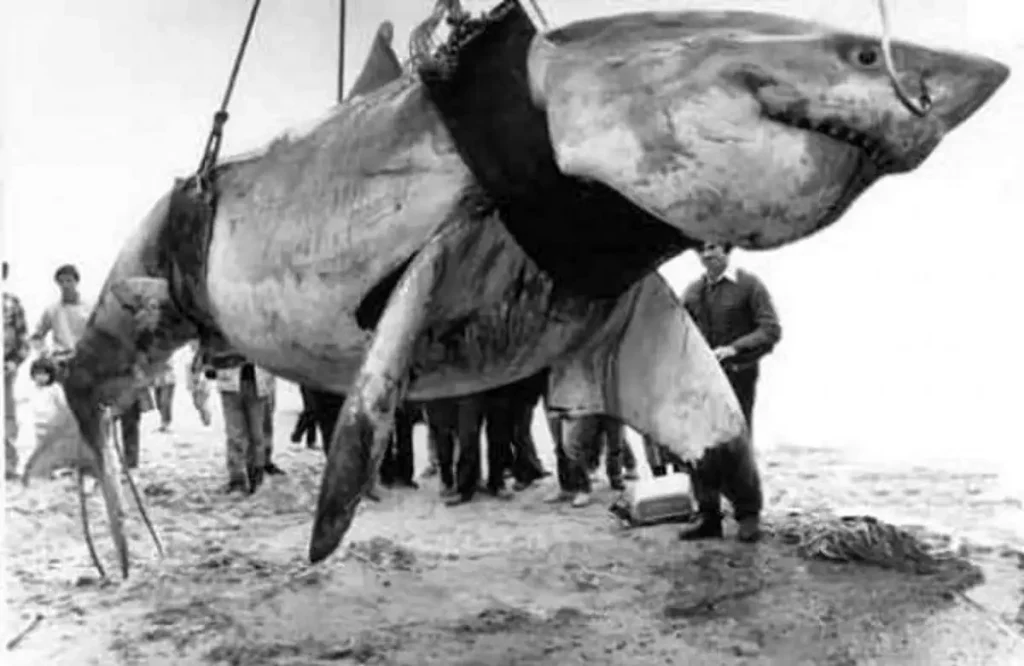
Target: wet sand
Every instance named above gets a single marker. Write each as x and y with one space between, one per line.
500 582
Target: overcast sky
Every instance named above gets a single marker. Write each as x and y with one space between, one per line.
900 324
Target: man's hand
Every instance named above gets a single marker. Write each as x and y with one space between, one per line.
722 353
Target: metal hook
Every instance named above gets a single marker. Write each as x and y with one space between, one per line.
919 107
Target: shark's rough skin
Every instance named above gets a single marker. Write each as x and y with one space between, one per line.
383 255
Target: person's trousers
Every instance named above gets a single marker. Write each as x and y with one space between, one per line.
398 464
10 425
326 411
471 421
165 402
455 425
244 426
432 449
569 454
610 430
583 437
526 464
730 469
443 427
499 411
129 419
268 426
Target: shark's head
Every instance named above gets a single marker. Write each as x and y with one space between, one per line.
741 127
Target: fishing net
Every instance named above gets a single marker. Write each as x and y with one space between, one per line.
823 536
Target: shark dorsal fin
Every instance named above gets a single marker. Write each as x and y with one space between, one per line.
382 65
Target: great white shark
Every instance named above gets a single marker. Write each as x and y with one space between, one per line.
504 209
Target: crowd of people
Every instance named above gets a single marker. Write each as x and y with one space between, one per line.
731 307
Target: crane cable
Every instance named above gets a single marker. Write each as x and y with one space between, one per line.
213 141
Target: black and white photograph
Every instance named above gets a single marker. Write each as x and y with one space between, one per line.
512 332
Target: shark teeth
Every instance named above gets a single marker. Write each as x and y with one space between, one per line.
875 151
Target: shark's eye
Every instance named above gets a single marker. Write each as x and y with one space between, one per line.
868 57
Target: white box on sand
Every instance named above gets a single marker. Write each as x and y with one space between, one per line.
654 499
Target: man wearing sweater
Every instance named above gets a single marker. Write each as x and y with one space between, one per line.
734 312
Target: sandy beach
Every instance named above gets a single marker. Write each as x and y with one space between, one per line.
493 582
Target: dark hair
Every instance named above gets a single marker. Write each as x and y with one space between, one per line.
67 269
43 365
726 247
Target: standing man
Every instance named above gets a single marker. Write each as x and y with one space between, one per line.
734 312
244 393
15 352
65 322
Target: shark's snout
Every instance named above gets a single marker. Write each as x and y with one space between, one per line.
960 84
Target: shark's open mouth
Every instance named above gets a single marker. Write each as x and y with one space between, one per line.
874 150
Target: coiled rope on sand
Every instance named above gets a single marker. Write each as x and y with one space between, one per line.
865 539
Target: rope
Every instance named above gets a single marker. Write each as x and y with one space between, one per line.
213 141
540 13
421 39
861 539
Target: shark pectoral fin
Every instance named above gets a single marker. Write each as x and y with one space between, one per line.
650 367
364 426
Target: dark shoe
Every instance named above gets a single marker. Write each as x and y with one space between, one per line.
617 484
457 499
448 491
520 486
500 493
407 483
749 529
236 486
706 526
255 479
273 470
558 496
620 509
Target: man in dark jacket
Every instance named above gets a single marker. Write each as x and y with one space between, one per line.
734 312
